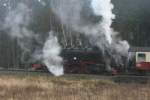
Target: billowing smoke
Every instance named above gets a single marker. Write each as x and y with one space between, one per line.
104 8
17 24
99 32
91 18
71 13
51 56
116 48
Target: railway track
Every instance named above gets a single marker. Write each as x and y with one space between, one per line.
90 75
23 70
117 78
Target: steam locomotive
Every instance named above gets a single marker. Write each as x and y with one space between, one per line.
91 61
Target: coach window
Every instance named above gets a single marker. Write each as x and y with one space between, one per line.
141 57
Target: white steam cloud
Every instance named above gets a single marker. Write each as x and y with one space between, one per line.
51 56
104 8
17 20
16 24
71 14
100 33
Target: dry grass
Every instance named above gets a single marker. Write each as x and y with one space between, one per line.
29 87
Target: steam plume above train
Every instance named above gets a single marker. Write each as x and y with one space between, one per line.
70 14
91 18
99 32
16 22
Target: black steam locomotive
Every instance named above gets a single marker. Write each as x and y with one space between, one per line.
83 61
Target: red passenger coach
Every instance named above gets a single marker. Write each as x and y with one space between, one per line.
143 66
142 58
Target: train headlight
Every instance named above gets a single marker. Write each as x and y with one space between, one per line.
74 58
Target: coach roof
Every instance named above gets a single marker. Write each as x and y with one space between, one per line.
139 49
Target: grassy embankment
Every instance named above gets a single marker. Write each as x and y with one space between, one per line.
44 87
